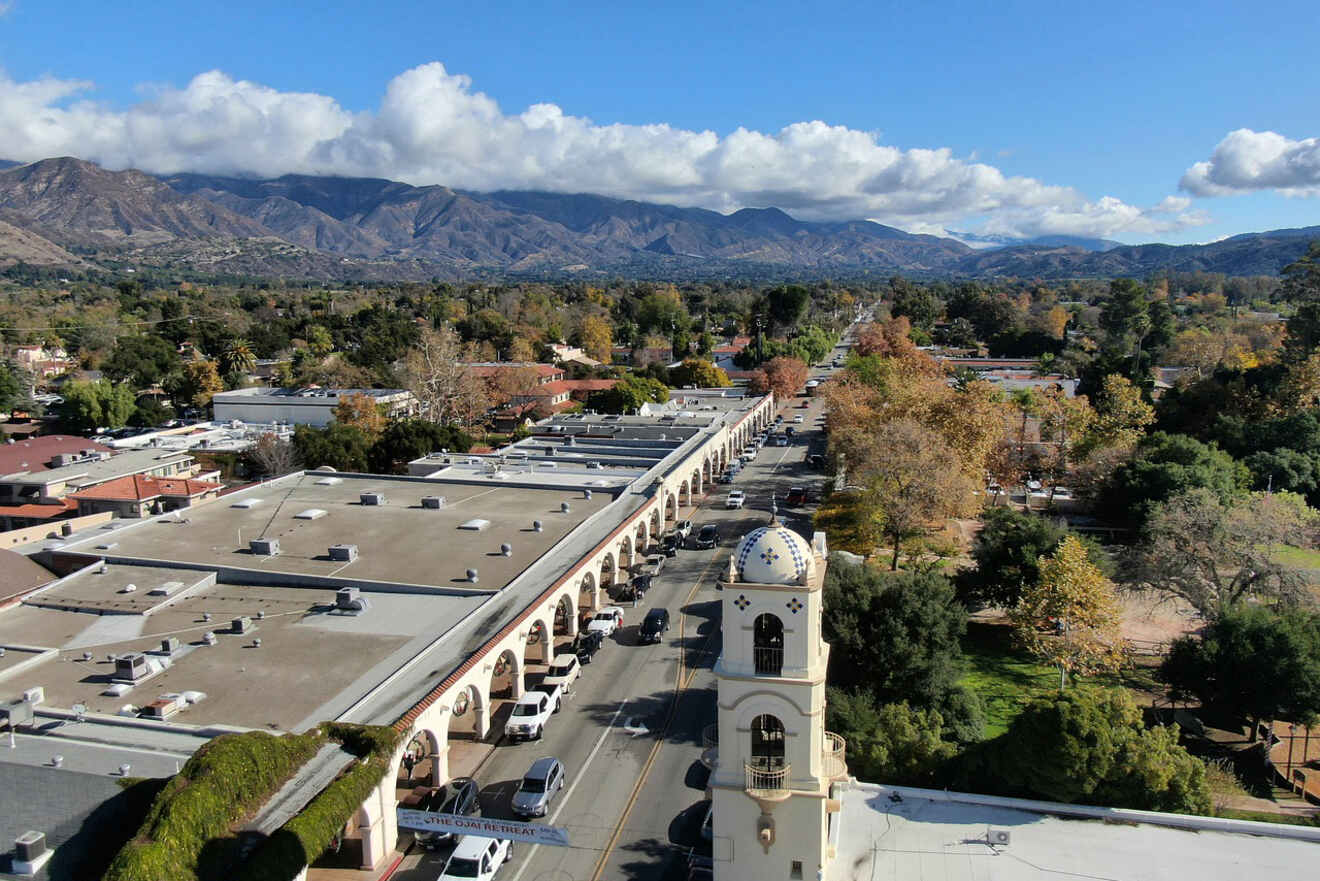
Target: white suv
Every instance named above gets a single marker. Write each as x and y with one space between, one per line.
476 857
735 499
564 671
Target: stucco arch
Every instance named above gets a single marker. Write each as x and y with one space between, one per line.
566 623
506 674
626 556
671 507
609 569
588 593
540 641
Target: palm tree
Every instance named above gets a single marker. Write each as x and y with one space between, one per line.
237 357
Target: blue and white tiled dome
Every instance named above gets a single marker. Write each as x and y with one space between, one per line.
772 555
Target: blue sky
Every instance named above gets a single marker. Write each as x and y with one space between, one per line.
1126 120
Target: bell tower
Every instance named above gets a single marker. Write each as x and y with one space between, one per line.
773 764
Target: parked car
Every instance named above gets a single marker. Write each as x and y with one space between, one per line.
790 431
781 440
799 418
726 477
586 644
707 537
779 418
654 625
607 620
632 592
736 499
530 714
458 796
796 496
564 671
683 529
670 544
653 564
476 857
538 787
817 461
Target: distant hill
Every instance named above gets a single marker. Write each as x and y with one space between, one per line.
69 212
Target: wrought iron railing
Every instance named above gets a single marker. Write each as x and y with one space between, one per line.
767 780
768 661
834 762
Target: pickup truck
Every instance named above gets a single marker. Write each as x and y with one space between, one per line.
532 711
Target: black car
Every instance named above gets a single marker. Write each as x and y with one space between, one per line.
670 544
634 591
790 431
817 461
654 625
708 537
586 644
458 796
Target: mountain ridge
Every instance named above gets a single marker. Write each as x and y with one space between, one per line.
66 211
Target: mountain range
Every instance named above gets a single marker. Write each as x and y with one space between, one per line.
71 213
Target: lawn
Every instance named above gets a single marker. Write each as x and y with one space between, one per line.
1298 558
1005 678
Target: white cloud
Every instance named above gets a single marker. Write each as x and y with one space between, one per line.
433 128
1246 161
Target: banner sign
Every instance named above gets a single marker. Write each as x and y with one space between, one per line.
533 833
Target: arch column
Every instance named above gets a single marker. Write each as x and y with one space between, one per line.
375 824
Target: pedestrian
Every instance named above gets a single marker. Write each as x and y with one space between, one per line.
409 760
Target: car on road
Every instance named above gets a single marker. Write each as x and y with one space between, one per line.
799 419
779 417
726 477
683 528
736 499
564 671
476 857
790 431
653 625
458 796
634 591
796 496
670 543
707 537
781 440
538 787
530 714
607 620
653 564
817 461
586 644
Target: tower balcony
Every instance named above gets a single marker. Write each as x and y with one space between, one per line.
834 764
710 746
767 782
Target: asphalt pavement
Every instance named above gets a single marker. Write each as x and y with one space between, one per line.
630 734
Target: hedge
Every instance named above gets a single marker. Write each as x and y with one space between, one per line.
224 782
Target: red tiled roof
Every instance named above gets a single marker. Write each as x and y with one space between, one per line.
38 511
485 370
589 385
549 389
33 454
137 488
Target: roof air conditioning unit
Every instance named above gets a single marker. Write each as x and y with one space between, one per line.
209 637
131 667
372 498
349 599
29 847
433 502
265 547
241 624
565 507
999 837
169 645
35 695
160 709
343 553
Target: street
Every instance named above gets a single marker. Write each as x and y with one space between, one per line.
630 733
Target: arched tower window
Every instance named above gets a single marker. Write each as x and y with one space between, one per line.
767 743
768 645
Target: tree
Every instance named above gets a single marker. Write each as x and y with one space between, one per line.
1215 554
196 383
1064 423
150 412
628 395
342 447
1252 662
237 357
1007 553
407 439
1088 745
888 743
12 389
361 412
698 372
1301 286
596 339
911 478
785 376
1121 416
319 340
89 406
1162 466
787 306
515 388
271 456
898 638
521 351
1070 616
443 385
915 302
143 360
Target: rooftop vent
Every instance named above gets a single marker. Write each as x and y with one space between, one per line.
476 524
372 498
350 599
565 507
536 526
169 588
330 481
241 624
472 575
264 547
343 553
160 709
433 502
246 503
209 637
169 645
506 549
586 494
310 514
30 851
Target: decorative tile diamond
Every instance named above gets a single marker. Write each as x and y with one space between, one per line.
742 602
769 555
794 605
